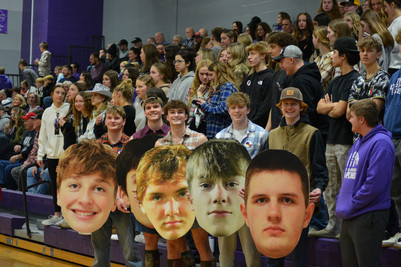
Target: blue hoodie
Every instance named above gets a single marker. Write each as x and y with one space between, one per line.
392 118
367 175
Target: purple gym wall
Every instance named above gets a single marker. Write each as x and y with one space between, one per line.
60 23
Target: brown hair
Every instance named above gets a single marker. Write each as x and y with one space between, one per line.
370 42
175 104
88 157
367 109
159 165
238 98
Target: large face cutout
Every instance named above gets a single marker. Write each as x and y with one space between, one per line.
216 173
135 207
275 212
167 206
86 201
217 204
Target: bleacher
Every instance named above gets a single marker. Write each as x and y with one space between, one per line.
67 244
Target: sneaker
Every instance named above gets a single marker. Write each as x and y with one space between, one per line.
392 241
312 231
63 224
398 244
140 238
114 237
323 233
53 220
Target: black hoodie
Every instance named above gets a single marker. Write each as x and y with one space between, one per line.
307 80
258 86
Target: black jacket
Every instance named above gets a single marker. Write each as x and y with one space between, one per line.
307 80
258 86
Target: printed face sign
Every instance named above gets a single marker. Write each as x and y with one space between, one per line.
162 189
167 206
215 174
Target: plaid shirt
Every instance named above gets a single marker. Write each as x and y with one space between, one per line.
104 139
145 131
217 112
191 139
34 151
255 140
326 69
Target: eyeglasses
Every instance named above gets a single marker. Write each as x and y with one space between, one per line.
178 61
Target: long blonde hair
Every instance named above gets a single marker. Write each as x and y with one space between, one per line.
238 54
383 15
126 89
376 25
224 74
356 22
196 83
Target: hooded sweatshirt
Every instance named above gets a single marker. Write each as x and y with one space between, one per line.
307 80
50 143
5 82
258 86
392 118
180 87
367 176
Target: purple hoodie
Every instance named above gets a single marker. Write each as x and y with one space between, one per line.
5 82
367 175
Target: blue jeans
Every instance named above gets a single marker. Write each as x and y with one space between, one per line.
5 173
319 220
39 189
124 225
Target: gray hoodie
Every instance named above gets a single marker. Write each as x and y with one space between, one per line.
180 87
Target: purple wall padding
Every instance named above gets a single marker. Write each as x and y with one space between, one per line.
67 239
9 222
60 23
41 204
26 29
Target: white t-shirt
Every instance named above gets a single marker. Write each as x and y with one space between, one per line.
395 59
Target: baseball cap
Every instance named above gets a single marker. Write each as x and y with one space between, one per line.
289 51
33 115
352 2
136 40
123 42
346 44
198 34
291 93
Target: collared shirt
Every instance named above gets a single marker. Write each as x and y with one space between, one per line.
97 72
191 139
145 131
216 110
327 71
117 147
255 140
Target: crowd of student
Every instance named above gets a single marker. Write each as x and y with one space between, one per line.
227 85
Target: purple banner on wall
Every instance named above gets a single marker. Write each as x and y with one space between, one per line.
3 20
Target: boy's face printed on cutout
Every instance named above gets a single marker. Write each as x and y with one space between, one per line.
167 206
275 212
86 201
135 207
217 203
